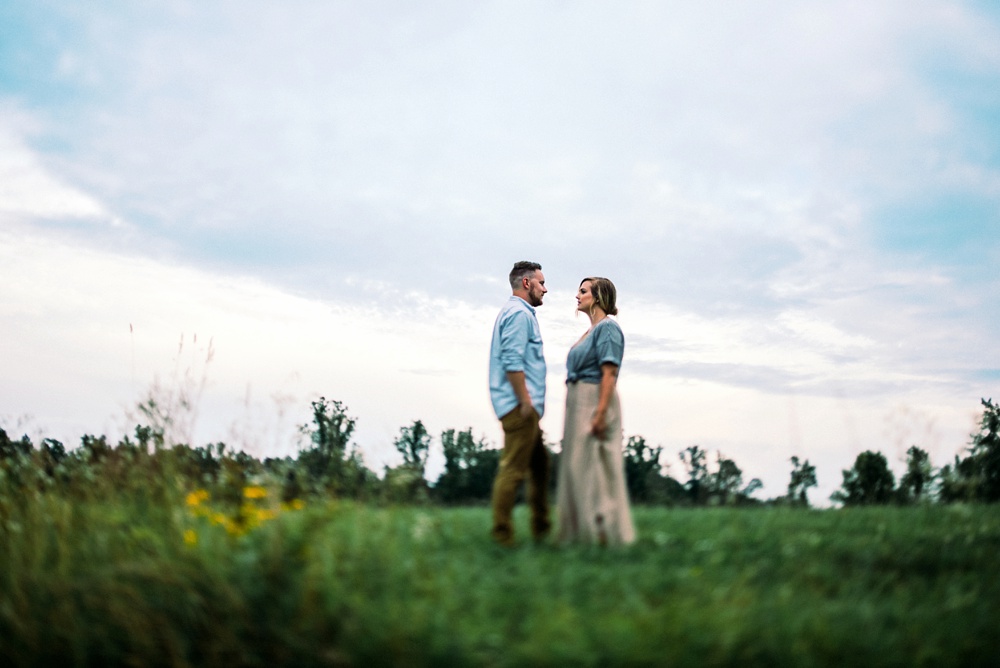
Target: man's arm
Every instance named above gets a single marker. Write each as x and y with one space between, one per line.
513 346
520 385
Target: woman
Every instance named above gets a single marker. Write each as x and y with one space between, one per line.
592 498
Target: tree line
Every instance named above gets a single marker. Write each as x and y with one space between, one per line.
972 476
329 464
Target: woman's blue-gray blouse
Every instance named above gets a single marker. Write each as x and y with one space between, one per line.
604 343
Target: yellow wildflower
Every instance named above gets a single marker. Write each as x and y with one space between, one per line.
190 537
197 497
263 515
254 492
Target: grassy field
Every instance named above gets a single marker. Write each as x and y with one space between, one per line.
178 580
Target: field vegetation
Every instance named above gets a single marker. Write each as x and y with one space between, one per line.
147 552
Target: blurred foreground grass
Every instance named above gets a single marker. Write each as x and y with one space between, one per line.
178 581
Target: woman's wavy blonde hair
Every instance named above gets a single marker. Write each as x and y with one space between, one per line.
604 293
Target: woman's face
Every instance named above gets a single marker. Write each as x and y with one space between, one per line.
584 298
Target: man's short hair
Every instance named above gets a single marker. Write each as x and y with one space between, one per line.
520 270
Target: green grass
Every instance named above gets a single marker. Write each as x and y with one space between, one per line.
113 582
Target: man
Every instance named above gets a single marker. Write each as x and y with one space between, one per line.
517 389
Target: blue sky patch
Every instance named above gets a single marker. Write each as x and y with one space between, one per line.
950 229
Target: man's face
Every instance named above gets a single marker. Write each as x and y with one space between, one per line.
536 289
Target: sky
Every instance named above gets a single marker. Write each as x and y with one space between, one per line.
249 205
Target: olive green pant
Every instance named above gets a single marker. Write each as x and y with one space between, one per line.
524 456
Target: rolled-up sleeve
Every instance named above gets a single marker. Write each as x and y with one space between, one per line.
514 335
609 343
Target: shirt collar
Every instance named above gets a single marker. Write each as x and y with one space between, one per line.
530 307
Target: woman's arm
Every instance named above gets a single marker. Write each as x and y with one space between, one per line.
609 376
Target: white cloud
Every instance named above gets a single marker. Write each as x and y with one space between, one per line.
822 335
329 190
77 366
91 330
28 189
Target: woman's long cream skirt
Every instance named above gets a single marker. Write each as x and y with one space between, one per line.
592 499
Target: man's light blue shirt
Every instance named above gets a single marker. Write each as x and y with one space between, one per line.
516 346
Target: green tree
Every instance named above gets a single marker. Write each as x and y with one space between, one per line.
328 464
406 483
642 468
976 477
332 428
725 483
469 468
14 449
958 481
986 452
916 481
18 472
803 477
414 444
329 434
868 482
94 449
53 453
693 458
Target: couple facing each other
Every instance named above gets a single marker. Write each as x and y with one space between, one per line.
592 500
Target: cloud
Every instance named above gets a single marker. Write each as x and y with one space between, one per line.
128 316
27 189
794 200
717 147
